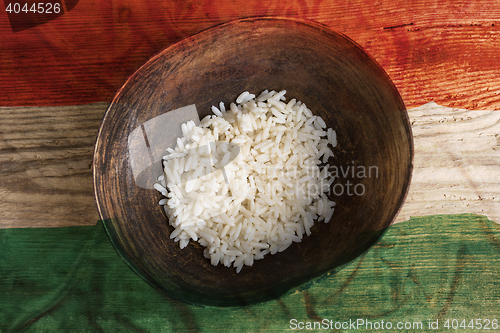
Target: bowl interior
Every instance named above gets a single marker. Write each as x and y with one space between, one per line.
334 77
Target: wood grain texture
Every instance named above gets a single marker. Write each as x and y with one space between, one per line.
457 163
46 178
45 165
444 51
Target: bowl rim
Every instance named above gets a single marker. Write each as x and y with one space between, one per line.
311 23
99 144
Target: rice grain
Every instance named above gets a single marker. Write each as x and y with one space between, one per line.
241 208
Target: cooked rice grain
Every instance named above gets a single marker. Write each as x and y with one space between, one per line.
264 199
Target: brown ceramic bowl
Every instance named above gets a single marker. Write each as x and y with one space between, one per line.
329 72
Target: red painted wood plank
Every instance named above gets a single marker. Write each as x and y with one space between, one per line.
433 50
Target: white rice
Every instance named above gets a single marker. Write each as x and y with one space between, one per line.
264 199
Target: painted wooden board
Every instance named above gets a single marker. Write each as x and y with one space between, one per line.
45 165
442 51
456 164
46 155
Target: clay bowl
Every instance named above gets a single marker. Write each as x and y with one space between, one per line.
329 72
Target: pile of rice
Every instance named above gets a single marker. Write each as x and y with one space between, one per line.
259 192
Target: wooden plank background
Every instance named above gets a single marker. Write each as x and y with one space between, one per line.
57 79
442 51
456 164
46 177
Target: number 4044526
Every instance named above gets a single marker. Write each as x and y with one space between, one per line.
35 8
484 324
